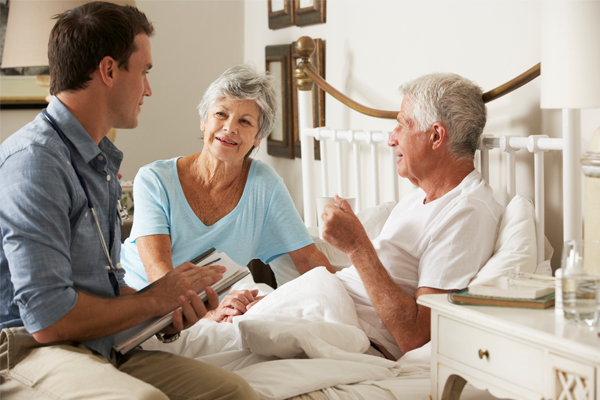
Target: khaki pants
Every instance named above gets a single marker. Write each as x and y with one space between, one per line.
70 370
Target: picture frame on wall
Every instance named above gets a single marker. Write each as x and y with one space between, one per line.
317 59
21 93
281 13
280 141
19 88
310 12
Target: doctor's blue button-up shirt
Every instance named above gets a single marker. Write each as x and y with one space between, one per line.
50 248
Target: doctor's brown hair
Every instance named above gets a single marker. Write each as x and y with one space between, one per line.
84 35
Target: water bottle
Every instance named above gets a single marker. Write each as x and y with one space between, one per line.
579 286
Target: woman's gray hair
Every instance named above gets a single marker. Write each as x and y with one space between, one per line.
452 100
244 82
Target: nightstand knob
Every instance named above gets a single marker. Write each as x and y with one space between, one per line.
485 354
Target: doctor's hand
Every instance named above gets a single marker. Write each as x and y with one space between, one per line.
342 229
237 302
192 310
167 292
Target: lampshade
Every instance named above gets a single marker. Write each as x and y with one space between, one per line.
28 30
570 44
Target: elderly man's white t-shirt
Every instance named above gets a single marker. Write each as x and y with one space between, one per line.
441 244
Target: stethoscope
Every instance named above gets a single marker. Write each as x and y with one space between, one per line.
121 212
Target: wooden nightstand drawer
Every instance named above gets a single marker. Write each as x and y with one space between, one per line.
496 355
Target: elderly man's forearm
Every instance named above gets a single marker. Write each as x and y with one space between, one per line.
404 319
155 254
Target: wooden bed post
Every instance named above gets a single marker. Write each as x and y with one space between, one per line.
305 46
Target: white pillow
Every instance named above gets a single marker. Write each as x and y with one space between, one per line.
516 243
372 218
545 268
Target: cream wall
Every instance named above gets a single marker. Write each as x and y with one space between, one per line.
195 42
12 120
374 46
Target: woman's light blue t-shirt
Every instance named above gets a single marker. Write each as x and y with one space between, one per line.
264 224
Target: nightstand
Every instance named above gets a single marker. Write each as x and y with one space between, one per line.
514 353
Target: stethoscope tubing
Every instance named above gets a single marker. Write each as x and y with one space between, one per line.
84 185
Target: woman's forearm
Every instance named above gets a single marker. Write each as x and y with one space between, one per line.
155 253
309 257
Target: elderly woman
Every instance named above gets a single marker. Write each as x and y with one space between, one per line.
219 197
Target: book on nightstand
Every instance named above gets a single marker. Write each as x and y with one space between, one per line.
464 297
133 337
523 286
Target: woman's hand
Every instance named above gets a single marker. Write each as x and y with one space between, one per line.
235 303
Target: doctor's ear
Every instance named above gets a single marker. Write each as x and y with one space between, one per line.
106 69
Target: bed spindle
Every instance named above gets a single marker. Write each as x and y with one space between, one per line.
375 173
357 184
324 158
486 142
394 178
511 162
339 168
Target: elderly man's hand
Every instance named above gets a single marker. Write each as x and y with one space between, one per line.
235 303
341 228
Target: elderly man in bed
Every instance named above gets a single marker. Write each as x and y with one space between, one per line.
438 236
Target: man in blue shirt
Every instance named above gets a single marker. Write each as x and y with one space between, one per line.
63 295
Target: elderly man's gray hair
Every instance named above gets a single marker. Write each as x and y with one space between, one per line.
244 82
452 100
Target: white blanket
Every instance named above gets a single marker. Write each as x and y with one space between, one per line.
304 336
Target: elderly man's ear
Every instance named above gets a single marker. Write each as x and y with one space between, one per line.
438 135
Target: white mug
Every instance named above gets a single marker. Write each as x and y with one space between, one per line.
322 202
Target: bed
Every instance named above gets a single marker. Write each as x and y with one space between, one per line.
288 346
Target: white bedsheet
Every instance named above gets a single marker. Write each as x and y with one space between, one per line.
305 336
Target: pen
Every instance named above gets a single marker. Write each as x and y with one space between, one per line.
213 261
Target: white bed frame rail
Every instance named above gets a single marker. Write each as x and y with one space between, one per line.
355 138
537 144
